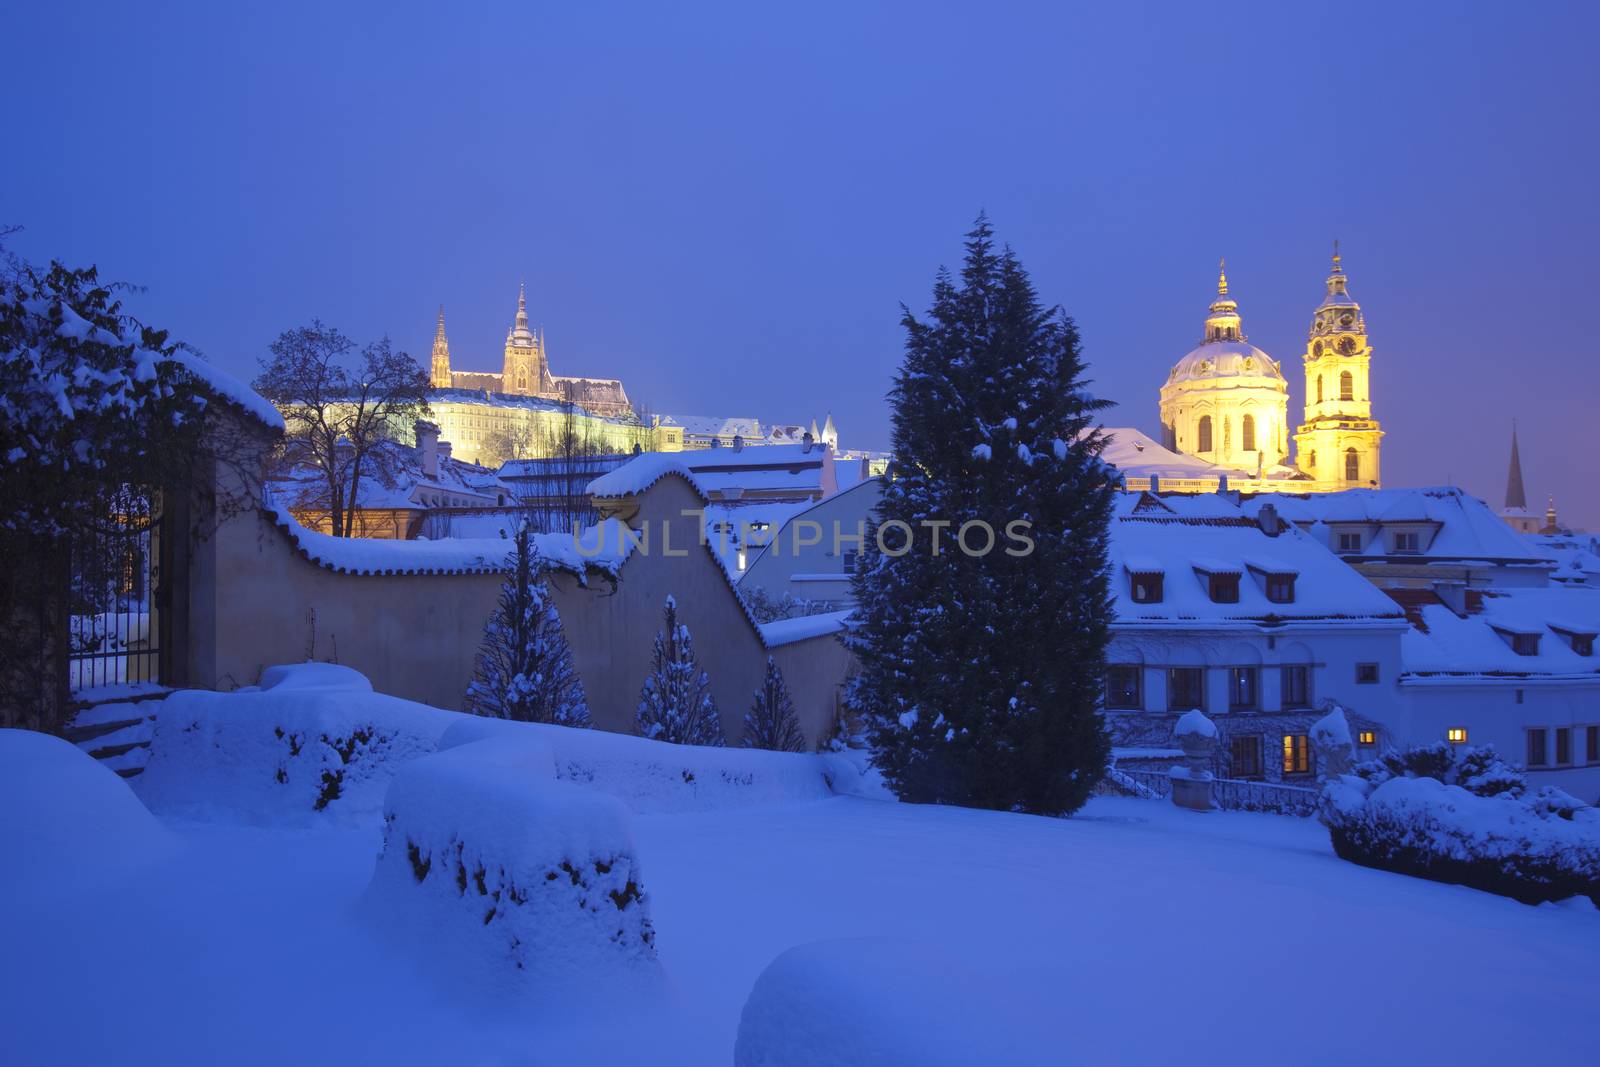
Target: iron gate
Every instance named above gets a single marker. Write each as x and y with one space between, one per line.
113 621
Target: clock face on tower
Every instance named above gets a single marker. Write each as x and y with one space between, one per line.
1346 319
1347 345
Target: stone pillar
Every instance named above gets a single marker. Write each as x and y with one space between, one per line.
1191 783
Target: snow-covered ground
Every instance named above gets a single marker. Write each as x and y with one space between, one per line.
1138 932
1135 932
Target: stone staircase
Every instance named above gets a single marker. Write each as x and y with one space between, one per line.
117 730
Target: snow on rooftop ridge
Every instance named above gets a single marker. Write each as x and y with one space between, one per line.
228 387
640 473
602 548
803 627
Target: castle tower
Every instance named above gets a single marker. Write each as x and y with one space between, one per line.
439 375
525 371
1337 445
1226 401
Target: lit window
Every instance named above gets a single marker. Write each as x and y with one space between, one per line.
1456 735
1296 754
1367 737
741 559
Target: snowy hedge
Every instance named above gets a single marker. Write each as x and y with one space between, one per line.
654 776
1534 848
494 868
319 743
66 818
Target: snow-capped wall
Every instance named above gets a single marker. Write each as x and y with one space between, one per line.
496 871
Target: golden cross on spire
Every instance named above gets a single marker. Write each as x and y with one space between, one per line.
1337 269
1222 276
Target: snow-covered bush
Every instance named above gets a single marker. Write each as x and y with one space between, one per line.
290 753
313 675
1531 849
675 703
652 776
66 817
1475 768
494 868
524 669
887 1002
765 608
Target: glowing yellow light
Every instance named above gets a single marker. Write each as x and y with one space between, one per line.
1456 735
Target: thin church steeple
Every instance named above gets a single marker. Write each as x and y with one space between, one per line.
1516 496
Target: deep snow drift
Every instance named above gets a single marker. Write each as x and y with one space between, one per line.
1133 933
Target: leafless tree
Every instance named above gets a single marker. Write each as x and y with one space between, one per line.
337 410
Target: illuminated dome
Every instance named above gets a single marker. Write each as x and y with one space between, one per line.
1225 359
1226 401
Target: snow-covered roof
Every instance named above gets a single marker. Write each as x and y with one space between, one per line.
1576 556
507 400
456 555
724 471
1462 527
1190 536
1447 644
727 520
788 631
714 425
1137 454
394 479
229 388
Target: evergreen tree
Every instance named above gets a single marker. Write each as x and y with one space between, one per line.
771 722
675 704
981 675
524 669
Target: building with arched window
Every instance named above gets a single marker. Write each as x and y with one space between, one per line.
1226 401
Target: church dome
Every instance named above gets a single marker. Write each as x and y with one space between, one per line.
1225 359
1225 352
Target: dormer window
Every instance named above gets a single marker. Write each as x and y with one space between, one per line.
1582 641
1145 580
1522 642
1276 581
1224 588
1349 542
1407 541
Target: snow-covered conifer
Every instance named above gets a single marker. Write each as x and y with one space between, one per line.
524 668
771 721
675 704
981 673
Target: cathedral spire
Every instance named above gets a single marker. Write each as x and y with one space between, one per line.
438 334
1222 277
1516 497
439 370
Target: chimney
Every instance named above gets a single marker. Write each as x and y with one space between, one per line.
738 442
806 442
716 442
444 452
1268 518
1155 485
1222 485
428 447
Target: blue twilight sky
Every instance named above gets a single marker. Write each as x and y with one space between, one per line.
724 205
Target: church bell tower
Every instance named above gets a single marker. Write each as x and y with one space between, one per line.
1337 445
525 371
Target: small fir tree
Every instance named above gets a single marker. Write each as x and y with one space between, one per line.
524 669
981 673
675 704
771 722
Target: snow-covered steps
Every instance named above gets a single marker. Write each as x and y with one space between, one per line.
118 731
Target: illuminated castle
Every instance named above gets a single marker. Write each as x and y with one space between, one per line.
526 371
1227 402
